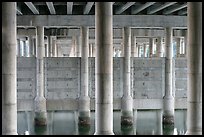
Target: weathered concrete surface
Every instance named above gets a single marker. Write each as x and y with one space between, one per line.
194 65
9 43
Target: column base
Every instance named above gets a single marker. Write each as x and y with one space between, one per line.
168 129
126 121
127 118
168 120
10 133
40 119
199 132
84 129
84 118
84 121
40 130
103 133
127 130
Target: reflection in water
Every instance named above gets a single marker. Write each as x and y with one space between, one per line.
40 130
146 122
84 130
127 130
168 129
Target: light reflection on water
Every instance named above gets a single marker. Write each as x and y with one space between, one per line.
146 122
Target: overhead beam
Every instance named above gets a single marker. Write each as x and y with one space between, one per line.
144 21
124 7
88 7
18 11
142 7
69 7
51 7
182 12
176 8
167 4
32 7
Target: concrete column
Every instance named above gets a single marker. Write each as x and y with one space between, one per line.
72 51
9 41
150 47
127 102
30 43
34 45
138 46
144 50
133 47
84 100
90 50
18 48
104 68
54 48
24 49
185 43
49 41
194 65
159 47
168 99
46 50
94 50
178 46
40 101
78 45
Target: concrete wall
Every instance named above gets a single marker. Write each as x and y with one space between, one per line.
26 77
180 77
62 82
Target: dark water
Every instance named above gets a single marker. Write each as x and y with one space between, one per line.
146 122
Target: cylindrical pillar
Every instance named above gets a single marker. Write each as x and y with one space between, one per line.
40 101
90 50
78 45
49 42
9 80
144 50
18 48
168 99
150 47
93 50
178 44
127 101
34 46
104 68
24 49
194 71
54 48
159 47
133 47
30 44
139 50
84 100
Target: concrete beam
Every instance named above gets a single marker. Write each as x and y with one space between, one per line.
32 7
167 4
119 21
88 7
175 9
51 7
18 11
69 7
142 7
124 7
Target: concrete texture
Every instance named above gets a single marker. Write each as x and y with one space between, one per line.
104 68
126 101
40 101
194 65
84 100
168 106
9 43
